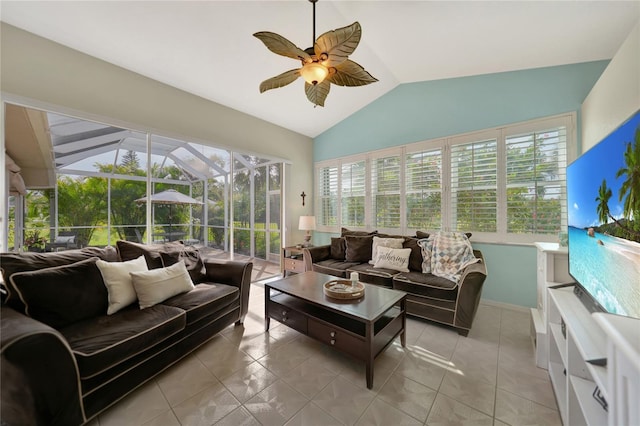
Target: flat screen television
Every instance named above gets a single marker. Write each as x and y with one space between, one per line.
603 201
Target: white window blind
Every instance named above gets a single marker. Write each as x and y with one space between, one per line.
474 187
535 180
353 180
385 191
423 182
327 196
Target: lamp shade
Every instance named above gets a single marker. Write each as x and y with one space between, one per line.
307 223
314 73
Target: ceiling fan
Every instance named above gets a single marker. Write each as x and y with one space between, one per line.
325 63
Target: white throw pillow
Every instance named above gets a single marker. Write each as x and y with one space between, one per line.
391 258
384 242
118 281
157 285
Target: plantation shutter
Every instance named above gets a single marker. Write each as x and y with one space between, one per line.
385 191
327 190
423 182
353 180
474 200
536 164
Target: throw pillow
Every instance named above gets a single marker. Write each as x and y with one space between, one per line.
191 258
65 239
118 281
61 295
415 260
157 285
426 245
128 250
384 242
338 248
344 232
393 258
358 248
420 235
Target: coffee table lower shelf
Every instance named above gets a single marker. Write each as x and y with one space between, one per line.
358 337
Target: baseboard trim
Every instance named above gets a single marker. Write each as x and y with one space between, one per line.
505 305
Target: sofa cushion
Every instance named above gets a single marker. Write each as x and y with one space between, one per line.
392 258
344 232
338 248
427 285
383 242
118 281
370 275
128 250
191 258
415 259
23 262
358 248
102 342
337 268
157 285
205 299
61 295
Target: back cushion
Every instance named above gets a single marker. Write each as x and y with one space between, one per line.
344 232
338 248
129 250
358 248
62 295
23 262
191 258
415 259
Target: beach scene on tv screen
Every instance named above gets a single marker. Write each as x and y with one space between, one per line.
603 200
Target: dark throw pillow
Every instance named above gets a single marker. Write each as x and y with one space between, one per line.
191 258
344 232
62 295
421 234
338 248
415 259
359 248
128 250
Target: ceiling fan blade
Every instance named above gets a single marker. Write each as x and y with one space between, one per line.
338 44
317 93
349 73
279 80
280 45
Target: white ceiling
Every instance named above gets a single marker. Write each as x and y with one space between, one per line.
207 48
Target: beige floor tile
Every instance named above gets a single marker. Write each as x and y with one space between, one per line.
331 359
447 411
476 365
499 423
440 341
238 417
165 419
282 332
408 396
343 400
276 404
423 367
312 415
206 407
250 380
309 378
284 359
515 410
143 405
260 345
535 388
184 380
222 357
380 413
474 393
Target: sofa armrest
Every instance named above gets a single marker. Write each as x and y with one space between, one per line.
313 255
40 380
233 273
470 291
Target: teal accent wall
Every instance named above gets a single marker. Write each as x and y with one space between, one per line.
427 110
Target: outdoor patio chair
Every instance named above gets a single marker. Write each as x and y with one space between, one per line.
65 240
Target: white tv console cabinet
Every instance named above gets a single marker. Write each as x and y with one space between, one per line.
552 269
576 337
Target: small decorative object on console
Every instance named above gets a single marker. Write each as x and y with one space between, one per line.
343 289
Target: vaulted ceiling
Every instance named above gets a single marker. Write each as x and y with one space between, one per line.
207 48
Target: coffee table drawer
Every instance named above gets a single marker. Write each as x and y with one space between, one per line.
337 338
288 316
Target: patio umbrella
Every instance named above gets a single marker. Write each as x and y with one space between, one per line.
169 197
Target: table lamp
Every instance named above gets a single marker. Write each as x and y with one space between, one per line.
308 224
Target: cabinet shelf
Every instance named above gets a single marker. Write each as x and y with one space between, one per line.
593 412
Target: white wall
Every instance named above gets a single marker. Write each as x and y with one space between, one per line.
35 68
616 95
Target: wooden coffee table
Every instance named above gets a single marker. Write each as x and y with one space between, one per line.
362 328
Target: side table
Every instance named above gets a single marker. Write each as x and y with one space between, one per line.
291 260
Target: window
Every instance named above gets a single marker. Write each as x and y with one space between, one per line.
505 184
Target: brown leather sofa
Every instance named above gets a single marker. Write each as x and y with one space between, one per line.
428 296
66 375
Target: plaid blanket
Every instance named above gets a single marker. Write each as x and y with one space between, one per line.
446 254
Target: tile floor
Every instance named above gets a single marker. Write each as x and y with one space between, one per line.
245 376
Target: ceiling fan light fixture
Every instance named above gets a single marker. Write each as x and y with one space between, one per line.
314 72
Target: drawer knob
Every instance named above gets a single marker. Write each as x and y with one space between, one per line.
333 341
332 334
